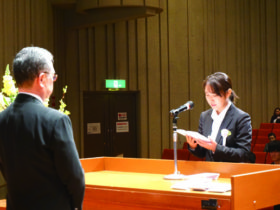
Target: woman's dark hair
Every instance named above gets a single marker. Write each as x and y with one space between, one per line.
220 83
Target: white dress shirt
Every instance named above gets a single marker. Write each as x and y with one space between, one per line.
217 120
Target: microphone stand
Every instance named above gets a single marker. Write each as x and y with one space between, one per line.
176 175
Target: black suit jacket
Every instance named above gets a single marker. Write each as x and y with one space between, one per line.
238 144
39 159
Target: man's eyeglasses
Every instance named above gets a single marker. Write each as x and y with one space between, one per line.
54 76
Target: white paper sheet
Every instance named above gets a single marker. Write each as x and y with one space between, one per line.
193 134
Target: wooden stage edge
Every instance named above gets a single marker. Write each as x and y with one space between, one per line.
132 183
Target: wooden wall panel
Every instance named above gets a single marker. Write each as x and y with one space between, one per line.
231 38
255 61
271 29
196 61
132 56
243 83
36 26
235 74
233 33
91 54
28 18
60 64
83 59
245 89
16 32
178 39
143 87
8 32
220 35
21 21
111 55
166 57
263 59
209 34
100 59
15 27
121 51
154 82
72 70
166 122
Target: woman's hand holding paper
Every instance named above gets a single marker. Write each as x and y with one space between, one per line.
210 145
191 141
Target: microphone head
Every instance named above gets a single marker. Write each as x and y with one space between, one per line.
187 106
191 104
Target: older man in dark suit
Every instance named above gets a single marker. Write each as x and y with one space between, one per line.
38 154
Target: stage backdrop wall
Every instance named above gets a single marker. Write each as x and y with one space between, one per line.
165 57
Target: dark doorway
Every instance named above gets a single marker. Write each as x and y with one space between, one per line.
110 123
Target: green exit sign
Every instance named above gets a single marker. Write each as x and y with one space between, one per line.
111 83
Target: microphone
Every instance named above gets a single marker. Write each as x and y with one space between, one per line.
187 106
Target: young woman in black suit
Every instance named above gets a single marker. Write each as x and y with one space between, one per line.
227 128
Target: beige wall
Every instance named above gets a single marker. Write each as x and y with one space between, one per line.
165 57
24 23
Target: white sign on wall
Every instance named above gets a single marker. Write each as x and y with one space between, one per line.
122 115
93 128
122 127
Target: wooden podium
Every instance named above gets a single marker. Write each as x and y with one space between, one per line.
139 184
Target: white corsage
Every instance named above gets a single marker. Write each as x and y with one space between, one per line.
225 133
